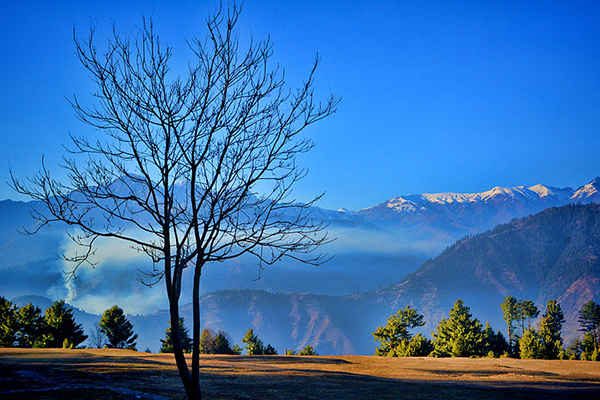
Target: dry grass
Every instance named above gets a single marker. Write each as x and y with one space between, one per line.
120 374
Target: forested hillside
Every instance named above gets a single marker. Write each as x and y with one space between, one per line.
554 254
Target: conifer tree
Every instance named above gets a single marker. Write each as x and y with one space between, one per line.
8 323
61 328
395 337
308 351
531 345
510 313
254 346
550 330
589 319
527 311
167 343
118 329
458 336
31 326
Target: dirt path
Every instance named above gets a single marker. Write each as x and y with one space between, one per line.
119 374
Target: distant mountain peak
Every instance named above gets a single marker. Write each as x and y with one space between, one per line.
587 194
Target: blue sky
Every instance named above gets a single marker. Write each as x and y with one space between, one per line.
436 95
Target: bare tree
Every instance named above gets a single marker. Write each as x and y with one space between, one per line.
191 170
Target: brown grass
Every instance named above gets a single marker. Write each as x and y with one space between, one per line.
121 374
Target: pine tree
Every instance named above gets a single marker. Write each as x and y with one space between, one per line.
31 326
550 330
528 311
61 329
510 313
395 334
531 344
254 346
222 344
308 351
458 336
494 344
186 341
118 329
589 319
8 323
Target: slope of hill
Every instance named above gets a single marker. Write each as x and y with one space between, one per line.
552 255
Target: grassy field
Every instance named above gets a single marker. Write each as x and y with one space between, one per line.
121 374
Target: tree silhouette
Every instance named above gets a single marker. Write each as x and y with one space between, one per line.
61 328
167 342
118 330
192 170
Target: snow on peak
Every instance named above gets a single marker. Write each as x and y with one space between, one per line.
589 193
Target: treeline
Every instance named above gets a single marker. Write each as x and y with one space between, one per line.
461 335
27 327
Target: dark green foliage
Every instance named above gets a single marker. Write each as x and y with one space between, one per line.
510 313
270 351
527 312
216 344
460 335
546 342
254 346
8 323
589 319
308 351
31 326
167 343
494 344
550 330
118 329
395 337
61 329
520 312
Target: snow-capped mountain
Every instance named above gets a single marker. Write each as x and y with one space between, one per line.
587 194
453 215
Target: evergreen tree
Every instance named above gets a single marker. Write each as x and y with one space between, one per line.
308 351
254 346
31 326
8 323
494 343
531 344
417 346
61 329
207 341
589 319
167 343
395 333
222 344
458 336
510 313
550 330
528 311
270 351
118 329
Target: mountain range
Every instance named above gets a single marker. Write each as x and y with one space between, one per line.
339 304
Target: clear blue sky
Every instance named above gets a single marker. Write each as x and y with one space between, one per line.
437 95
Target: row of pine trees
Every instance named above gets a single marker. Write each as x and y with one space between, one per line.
27 327
461 335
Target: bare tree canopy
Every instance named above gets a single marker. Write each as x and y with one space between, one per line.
190 170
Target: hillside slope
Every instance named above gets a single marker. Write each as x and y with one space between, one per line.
552 255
